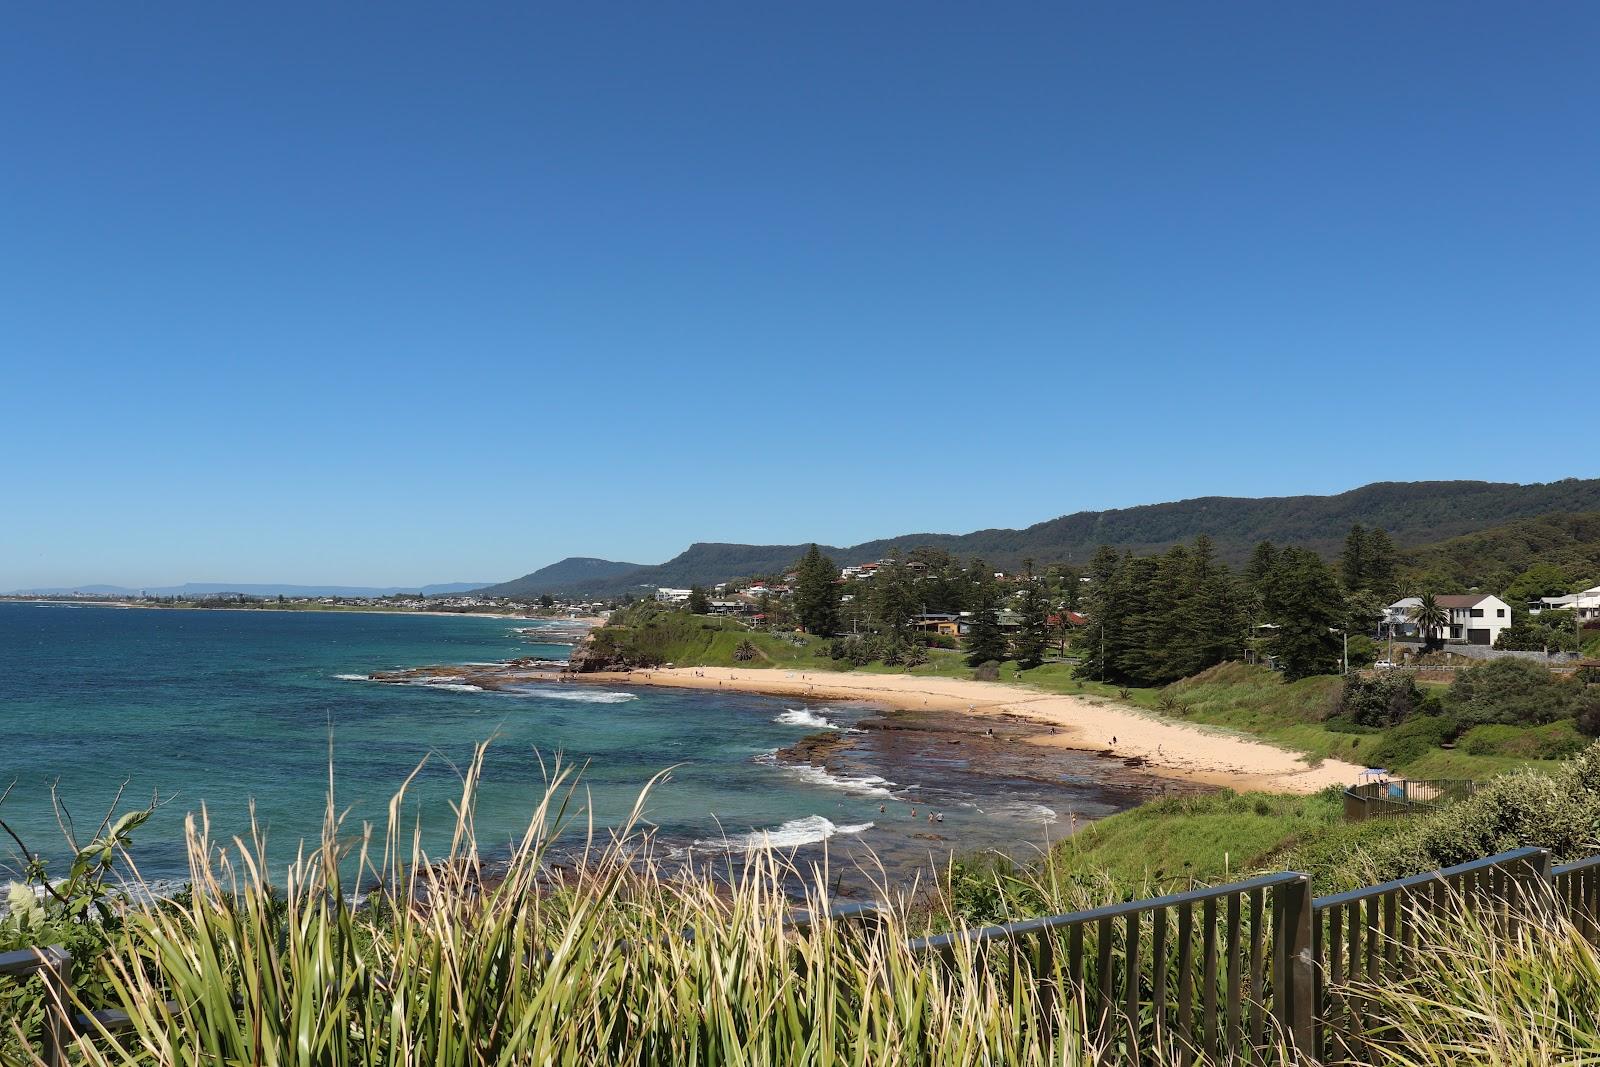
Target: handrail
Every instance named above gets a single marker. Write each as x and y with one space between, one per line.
1575 866
1043 924
1354 896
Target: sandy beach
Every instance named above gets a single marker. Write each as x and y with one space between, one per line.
1196 753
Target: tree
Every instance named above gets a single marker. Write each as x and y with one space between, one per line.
547 601
1380 564
1539 580
1353 560
816 594
1034 637
893 601
1259 578
1310 611
1430 617
986 642
699 603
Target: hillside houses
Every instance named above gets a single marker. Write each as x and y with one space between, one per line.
1586 604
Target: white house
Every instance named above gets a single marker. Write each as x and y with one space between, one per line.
1586 603
1475 618
672 596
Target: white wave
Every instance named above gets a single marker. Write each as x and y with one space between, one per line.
805 717
1024 810
808 830
871 785
583 696
454 687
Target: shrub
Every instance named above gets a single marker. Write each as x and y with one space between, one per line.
987 672
1510 691
1557 740
1411 740
1389 698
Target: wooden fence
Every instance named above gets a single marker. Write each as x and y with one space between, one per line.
1226 972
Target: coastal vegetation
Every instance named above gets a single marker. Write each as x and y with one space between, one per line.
450 959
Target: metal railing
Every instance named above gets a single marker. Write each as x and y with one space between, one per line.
1210 968
1402 796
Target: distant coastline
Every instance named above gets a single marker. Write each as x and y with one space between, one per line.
337 609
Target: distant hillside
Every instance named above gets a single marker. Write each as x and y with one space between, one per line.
1414 513
575 574
189 589
1491 558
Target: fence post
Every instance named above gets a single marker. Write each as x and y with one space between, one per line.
1294 970
1530 880
56 973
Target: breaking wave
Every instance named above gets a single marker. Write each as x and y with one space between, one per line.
805 717
808 830
585 696
872 785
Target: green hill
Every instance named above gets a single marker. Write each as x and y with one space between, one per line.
575 574
1493 558
1414 514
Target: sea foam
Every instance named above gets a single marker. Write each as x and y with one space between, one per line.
872 785
807 830
583 696
805 717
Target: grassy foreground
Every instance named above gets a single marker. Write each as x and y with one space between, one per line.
446 961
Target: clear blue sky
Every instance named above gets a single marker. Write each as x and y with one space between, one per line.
385 294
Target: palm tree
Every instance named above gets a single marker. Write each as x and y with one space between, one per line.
1430 618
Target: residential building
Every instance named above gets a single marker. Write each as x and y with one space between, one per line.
1586 604
672 596
1474 618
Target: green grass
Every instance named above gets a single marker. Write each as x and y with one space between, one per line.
1178 842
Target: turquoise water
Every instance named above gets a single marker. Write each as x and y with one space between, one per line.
226 707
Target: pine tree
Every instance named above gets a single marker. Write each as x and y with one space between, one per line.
1031 641
1101 604
1260 574
893 600
816 594
699 603
1380 573
1353 564
1310 609
986 642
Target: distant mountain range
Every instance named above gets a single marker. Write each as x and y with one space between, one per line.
575 573
1414 513
268 589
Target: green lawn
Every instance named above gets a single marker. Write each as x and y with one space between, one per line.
1177 842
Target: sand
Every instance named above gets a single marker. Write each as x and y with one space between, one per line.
1186 750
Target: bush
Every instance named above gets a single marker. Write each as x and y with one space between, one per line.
1511 691
1557 740
987 672
1411 740
1389 698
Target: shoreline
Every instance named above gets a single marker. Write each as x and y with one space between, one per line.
1082 724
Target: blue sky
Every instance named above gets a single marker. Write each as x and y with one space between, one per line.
400 294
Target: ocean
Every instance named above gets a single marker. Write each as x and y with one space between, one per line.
229 708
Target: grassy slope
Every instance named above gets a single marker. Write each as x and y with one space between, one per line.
1177 842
